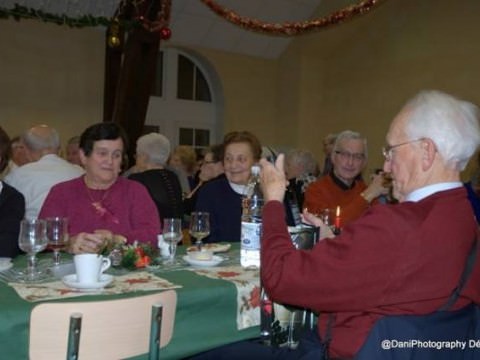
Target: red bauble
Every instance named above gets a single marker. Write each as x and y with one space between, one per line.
165 33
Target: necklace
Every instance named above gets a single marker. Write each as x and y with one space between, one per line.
97 204
99 207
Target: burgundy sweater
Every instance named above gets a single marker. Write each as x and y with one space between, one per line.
396 259
130 210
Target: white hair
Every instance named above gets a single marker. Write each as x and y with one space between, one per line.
45 139
303 158
351 135
452 124
156 146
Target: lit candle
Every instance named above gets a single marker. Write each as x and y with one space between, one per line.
337 218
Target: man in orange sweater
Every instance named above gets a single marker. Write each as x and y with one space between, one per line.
343 187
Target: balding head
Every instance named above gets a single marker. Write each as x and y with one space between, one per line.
41 140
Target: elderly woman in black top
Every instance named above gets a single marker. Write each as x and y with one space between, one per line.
162 184
12 206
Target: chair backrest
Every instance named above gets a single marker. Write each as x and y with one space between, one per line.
111 329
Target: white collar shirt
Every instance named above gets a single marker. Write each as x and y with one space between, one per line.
423 192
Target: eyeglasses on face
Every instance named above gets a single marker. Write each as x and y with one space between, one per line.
387 150
345 155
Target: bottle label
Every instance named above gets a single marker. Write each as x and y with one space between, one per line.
251 233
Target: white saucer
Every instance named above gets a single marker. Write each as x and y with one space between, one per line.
204 263
5 263
71 281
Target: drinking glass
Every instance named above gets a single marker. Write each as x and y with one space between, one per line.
32 239
172 234
326 216
57 233
199 226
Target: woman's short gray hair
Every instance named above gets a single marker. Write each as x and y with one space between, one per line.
452 124
156 146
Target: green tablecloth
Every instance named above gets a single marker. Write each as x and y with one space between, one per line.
205 317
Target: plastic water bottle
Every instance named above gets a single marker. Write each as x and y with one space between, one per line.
252 204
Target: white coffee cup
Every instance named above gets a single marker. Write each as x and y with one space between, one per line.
89 267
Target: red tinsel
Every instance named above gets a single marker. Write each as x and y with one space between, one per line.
293 28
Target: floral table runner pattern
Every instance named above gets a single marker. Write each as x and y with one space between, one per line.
131 282
248 291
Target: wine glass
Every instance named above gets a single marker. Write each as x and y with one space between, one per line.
57 233
199 226
172 234
32 239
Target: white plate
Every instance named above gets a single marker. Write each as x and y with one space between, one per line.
213 247
71 281
5 263
204 263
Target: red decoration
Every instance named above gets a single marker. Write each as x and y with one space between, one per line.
289 28
165 33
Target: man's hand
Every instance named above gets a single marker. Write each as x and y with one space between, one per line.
309 218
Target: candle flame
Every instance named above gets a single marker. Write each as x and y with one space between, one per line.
338 211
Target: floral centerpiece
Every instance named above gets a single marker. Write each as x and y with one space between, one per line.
132 256
137 255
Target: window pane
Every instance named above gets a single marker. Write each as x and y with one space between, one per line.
185 136
202 137
202 91
185 78
157 86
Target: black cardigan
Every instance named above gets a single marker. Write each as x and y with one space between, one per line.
12 211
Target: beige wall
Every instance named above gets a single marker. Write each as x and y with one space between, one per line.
355 75
249 86
50 74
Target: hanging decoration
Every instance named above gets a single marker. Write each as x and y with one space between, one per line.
113 38
22 12
160 24
293 28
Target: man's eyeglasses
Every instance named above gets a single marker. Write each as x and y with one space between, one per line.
345 155
387 150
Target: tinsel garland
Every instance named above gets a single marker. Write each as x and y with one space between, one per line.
21 12
160 24
293 28
279 29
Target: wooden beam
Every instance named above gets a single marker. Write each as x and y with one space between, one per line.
129 76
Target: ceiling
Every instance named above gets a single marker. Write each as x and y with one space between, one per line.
194 24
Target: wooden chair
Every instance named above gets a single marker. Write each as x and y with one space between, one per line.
111 329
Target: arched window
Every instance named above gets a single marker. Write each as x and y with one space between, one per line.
183 105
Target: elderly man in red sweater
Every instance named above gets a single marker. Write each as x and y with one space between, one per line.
390 259
343 187
405 258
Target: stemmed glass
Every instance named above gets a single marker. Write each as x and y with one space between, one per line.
172 234
32 239
57 233
199 226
